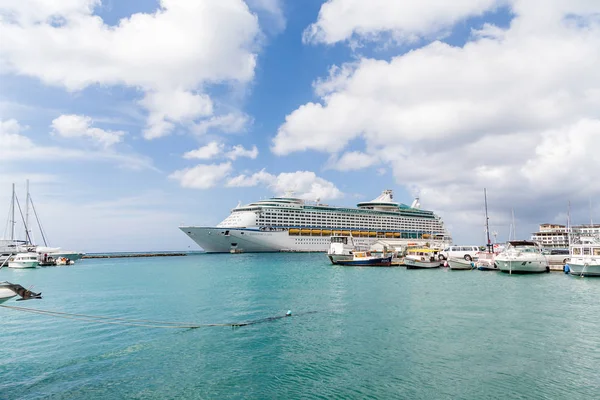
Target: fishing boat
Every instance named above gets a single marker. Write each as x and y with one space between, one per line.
419 258
341 248
24 260
522 257
365 259
456 263
585 256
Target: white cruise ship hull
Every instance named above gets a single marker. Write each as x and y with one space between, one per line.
242 240
521 266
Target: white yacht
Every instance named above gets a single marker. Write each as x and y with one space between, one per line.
291 224
522 256
585 256
24 260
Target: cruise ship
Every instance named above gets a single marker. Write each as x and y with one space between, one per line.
294 225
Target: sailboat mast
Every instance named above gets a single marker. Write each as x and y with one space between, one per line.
487 225
12 211
27 230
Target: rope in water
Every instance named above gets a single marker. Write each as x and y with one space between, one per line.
139 322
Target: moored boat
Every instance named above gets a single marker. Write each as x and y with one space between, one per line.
9 290
420 258
24 260
584 256
456 263
522 257
365 259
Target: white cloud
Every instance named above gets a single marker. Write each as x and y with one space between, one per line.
207 152
352 160
227 123
239 151
270 12
406 20
10 137
73 126
20 148
215 149
511 111
170 55
304 184
202 176
175 105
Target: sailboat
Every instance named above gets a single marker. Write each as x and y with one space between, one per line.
486 259
12 246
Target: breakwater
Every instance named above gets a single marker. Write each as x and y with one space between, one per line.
134 255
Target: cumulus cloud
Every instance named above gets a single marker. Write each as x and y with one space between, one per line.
507 111
215 149
304 184
207 152
74 126
170 54
407 20
11 138
202 176
227 123
240 151
352 160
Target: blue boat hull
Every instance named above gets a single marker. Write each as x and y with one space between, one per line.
373 262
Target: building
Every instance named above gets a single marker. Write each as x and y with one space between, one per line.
557 236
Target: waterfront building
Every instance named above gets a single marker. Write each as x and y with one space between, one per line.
557 236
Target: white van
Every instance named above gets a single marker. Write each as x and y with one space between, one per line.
466 252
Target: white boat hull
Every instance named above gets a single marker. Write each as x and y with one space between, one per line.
459 264
521 266
6 294
584 269
414 264
23 264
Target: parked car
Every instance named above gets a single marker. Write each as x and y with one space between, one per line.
466 252
556 256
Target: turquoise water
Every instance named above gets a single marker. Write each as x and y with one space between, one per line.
378 332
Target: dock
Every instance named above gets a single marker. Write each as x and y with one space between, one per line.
134 255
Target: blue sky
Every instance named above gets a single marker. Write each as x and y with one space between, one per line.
100 102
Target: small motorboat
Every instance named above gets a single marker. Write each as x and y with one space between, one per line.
366 259
419 258
456 263
63 261
24 260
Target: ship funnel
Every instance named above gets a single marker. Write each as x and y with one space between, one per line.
415 203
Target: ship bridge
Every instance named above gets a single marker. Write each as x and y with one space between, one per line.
384 202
